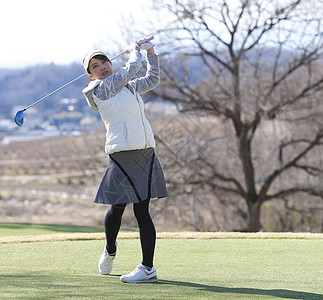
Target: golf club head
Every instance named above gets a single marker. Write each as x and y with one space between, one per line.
19 117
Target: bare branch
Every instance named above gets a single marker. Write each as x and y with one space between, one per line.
291 191
284 167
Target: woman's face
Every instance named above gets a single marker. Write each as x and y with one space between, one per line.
100 68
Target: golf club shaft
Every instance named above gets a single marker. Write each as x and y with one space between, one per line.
77 78
65 85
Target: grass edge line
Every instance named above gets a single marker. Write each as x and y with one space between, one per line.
160 235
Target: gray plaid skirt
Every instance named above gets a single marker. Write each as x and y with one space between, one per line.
132 176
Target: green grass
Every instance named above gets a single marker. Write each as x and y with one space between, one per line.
21 229
187 269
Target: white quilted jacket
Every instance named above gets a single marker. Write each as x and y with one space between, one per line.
125 122
123 110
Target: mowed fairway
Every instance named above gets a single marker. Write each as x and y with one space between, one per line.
188 266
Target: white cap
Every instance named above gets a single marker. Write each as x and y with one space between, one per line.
90 55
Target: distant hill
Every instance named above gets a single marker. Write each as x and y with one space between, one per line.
21 87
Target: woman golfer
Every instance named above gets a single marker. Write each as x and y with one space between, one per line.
134 174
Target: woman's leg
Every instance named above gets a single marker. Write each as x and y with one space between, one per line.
112 226
147 232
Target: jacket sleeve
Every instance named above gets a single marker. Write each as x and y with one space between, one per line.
152 77
113 84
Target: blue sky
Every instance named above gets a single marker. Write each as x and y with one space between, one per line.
61 31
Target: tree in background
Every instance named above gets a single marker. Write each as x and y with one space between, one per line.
259 68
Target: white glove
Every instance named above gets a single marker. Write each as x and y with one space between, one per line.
146 46
141 44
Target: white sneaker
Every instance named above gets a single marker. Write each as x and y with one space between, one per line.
106 262
140 275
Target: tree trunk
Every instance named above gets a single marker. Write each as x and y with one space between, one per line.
254 217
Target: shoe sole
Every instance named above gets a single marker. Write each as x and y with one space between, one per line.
105 273
151 280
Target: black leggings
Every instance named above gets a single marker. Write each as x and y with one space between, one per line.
146 229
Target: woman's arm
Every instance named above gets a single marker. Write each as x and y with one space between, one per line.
152 77
114 83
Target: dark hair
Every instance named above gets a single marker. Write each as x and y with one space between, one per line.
100 57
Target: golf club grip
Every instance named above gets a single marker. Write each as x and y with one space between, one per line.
149 39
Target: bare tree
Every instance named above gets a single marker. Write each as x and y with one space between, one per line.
259 65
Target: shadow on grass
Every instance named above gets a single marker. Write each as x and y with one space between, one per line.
42 286
289 294
39 286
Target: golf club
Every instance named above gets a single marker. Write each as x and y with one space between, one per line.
19 116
